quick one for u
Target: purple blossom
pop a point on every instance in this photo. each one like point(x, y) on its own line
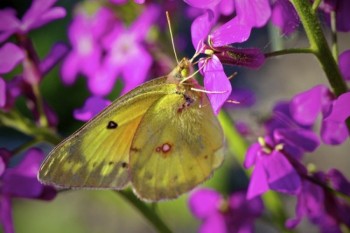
point(344, 64)
point(93, 105)
point(20, 182)
point(126, 54)
point(40, 13)
point(307, 105)
point(341, 9)
point(10, 56)
point(320, 206)
point(276, 156)
point(2, 93)
point(215, 79)
point(284, 16)
point(221, 215)
point(85, 34)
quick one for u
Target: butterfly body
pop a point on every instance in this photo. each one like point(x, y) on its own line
point(162, 137)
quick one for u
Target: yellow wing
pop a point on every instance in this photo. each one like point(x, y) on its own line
point(177, 146)
point(97, 155)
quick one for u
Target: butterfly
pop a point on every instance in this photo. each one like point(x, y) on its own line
point(162, 138)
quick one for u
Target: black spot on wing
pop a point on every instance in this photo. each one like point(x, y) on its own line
point(112, 125)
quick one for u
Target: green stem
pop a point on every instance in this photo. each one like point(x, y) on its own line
point(15, 120)
point(289, 51)
point(315, 5)
point(146, 210)
point(238, 147)
point(40, 105)
point(335, 49)
point(318, 44)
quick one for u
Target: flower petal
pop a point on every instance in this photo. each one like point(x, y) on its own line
point(250, 157)
point(258, 181)
point(284, 16)
point(215, 80)
point(234, 31)
point(57, 52)
point(10, 56)
point(143, 23)
point(8, 23)
point(306, 106)
point(339, 181)
point(2, 93)
point(204, 202)
point(214, 223)
point(254, 13)
point(200, 29)
point(93, 105)
point(203, 4)
point(344, 64)
point(281, 175)
point(304, 139)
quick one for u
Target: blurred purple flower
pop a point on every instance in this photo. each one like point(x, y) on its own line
point(306, 106)
point(93, 105)
point(342, 9)
point(320, 205)
point(10, 56)
point(85, 34)
point(221, 215)
point(126, 55)
point(344, 64)
point(284, 16)
point(20, 182)
point(2, 93)
point(40, 13)
point(119, 2)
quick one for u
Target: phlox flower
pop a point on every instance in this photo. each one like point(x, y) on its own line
point(10, 56)
point(93, 105)
point(344, 64)
point(341, 9)
point(40, 13)
point(307, 105)
point(320, 205)
point(225, 215)
point(284, 16)
point(218, 52)
point(276, 156)
point(126, 55)
point(20, 182)
point(85, 34)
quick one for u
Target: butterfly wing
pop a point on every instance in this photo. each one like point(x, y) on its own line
point(177, 146)
point(97, 155)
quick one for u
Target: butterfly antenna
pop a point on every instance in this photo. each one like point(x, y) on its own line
point(171, 35)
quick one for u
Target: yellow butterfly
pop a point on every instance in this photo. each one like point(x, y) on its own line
point(162, 138)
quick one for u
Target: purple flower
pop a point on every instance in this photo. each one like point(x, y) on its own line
point(221, 215)
point(320, 205)
point(254, 13)
point(85, 34)
point(40, 13)
point(215, 79)
point(344, 64)
point(93, 105)
point(307, 105)
point(284, 16)
point(272, 170)
point(10, 56)
point(334, 130)
point(341, 8)
point(126, 55)
point(20, 182)
point(2, 93)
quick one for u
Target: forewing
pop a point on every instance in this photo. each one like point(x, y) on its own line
point(97, 155)
point(175, 148)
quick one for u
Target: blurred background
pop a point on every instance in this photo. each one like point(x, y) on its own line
point(93, 211)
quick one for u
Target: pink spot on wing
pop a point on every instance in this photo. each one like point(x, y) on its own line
point(164, 149)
